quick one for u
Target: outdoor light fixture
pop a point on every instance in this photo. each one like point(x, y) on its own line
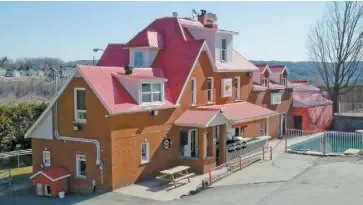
point(249, 74)
point(154, 112)
point(77, 127)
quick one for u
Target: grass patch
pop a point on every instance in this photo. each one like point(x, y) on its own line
point(18, 171)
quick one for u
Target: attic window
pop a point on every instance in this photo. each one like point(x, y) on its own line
point(265, 82)
point(152, 93)
point(283, 81)
point(224, 50)
point(139, 59)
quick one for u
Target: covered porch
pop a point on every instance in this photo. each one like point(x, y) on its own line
point(212, 135)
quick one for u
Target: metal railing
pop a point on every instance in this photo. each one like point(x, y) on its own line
point(15, 159)
point(322, 142)
point(238, 163)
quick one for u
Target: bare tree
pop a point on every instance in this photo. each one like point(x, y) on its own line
point(336, 48)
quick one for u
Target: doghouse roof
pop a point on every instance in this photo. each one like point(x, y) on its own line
point(52, 173)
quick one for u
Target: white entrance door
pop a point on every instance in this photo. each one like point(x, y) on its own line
point(191, 149)
point(39, 189)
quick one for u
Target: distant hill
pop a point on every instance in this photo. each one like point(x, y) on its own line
point(301, 70)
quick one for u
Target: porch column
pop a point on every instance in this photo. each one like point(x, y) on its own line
point(222, 144)
point(202, 143)
point(267, 131)
point(211, 145)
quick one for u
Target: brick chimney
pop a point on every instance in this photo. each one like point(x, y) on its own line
point(208, 19)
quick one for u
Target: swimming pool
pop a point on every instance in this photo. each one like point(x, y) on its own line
point(336, 142)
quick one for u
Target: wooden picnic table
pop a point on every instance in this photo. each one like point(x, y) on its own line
point(175, 174)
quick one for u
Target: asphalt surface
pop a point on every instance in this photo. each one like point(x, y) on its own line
point(289, 179)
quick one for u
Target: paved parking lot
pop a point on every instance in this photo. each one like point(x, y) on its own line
point(288, 179)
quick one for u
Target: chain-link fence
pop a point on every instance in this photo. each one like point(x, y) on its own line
point(15, 159)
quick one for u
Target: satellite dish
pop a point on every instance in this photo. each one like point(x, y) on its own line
point(195, 14)
point(175, 14)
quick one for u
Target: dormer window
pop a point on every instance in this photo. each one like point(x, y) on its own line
point(139, 59)
point(224, 50)
point(265, 82)
point(152, 93)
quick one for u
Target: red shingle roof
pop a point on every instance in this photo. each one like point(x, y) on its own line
point(52, 173)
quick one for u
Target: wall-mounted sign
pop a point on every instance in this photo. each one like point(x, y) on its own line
point(166, 143)
point(227, 87)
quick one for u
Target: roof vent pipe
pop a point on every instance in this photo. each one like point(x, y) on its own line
point(128, 69)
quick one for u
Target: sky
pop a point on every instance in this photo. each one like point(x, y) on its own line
point(70, 30)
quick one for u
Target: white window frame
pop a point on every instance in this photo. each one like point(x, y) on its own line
point(238, 88)
point(223, 50)
point(210, 94)
point(194, 90)
point(76, 111)
point(46, 164)
point(275, 98)
point(151, 92)
point(145, 145)
point(284, 81)
point(262, 128)
point(265, 82)
point(78, 168)
point(135, 59)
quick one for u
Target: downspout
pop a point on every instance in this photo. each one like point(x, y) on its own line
point(74, 139)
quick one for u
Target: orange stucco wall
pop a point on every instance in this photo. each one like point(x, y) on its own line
point(121, 136)
point(315, 117)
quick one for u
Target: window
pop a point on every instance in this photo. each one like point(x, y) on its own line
point(210, 89)
point(151, 93)
point(145, 153)
point(265, 82)
point(194, 91)
point(224, 50)
point(81, 166)
point(283, 81)
point(262, 129)
point(46, 158)
point(80, 105)
point(275, 98)
point(237, 85)
point(139, 59)
point(189, 143)
point(237, 131)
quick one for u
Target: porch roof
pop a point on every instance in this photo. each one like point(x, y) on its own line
point(201, 118)
point(211, 115)
point(242, 111)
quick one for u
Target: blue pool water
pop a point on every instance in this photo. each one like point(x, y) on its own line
point(336, 142)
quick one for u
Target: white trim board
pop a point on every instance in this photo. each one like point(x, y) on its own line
point(50, 178)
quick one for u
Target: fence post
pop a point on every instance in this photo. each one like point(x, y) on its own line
point(210, 177)
point(286, 136)
point(240, 162)
point(263, 152)
point(270, 153)
point(324, 143)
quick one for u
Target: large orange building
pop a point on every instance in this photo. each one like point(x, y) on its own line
point(162, 99)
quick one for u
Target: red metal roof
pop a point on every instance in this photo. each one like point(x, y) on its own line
point(147, 39)
point(277, 68)
point(112, 94)
point(261, 67)
point(114, 55)
point(242, 111)
point(196, 118)
point(52, 173)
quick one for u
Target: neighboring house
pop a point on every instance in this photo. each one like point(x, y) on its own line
point(114, 125)
point(12, 73)
point(270, 90)
point(31, 72)
point(311, 109)
point(2, 72)
point(40, 73)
